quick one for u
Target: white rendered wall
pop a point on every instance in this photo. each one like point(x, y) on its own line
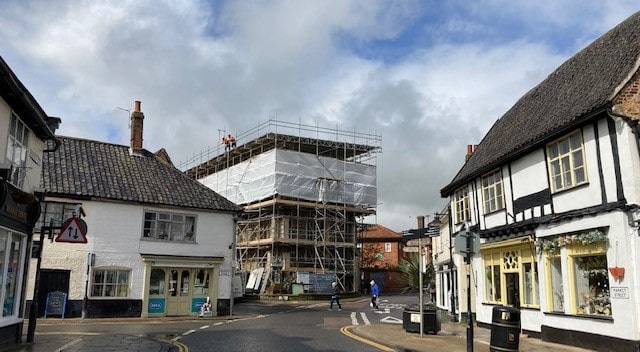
point(115, 236)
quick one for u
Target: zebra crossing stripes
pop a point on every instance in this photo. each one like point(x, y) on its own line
point(363, 316)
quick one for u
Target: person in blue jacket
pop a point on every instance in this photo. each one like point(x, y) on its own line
point(375, 292)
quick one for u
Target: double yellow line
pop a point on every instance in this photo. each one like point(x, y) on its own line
point(345, 331)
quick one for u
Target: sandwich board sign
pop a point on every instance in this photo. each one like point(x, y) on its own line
point(74, 230)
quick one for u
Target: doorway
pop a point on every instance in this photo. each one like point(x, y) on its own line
point(51, 280)
point(513, 289)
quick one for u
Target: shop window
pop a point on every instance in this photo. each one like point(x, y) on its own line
point(157, 282)
point(11, 263)
point(461, 203)
point(110, 283)
point(184, 291)
point(566, 164)
point(169, 226)
point(591, 281)
point(493, 291)
point(530, 284)
point(492, 192)
point(201, 283)
point(556, 284)
point(510, 275)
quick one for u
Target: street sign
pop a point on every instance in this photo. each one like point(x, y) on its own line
point(460, 242)
point(74, 230)
point(410, 249)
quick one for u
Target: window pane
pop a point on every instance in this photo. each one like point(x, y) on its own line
point(563, 146)
point(184, 286)
point(528, 284)
point(12, 279)
point(592, 285)
point(579, 174)
point(556, 285)
point(496, 283)
point(577, 158)
point(576, 141)
point(157, 282)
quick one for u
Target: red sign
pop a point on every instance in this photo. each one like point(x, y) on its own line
point(74, 230)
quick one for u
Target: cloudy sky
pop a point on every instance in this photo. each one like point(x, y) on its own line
point(428, 76)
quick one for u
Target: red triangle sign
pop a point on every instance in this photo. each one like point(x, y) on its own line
point(72, 232)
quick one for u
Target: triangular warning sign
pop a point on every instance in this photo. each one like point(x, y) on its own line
point(72, 231)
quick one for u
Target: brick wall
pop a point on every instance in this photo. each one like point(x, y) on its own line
point(627, 102)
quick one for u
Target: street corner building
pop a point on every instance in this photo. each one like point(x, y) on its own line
point(25, 130)
point(553, 192)
point(158, 243)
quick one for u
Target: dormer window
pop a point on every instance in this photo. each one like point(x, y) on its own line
point(567, 167)
point(492, 192)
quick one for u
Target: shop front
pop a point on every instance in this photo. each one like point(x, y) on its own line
point(175, 288)
point(18, 212)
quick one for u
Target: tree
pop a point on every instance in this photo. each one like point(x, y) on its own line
point(411, 269)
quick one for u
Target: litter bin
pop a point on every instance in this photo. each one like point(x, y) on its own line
point(505, 329)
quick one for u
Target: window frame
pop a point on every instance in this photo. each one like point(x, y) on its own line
point(17, 150)
point(493, 257)
point(387, 247)
point(461, 205)
point(569, 171)
point(492, 191)
point(48, 212)
point(115, 285)
point(169, 226)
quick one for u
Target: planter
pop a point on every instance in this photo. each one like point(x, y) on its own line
point(430, 321)
point(617, 272)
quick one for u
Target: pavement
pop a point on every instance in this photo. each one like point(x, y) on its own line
point(386, 337)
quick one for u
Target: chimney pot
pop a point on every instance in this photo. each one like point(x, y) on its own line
point(136, 105)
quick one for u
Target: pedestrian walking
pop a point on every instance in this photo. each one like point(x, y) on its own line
point(335, 296)
point(375, 292)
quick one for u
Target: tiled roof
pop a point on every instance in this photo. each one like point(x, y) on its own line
point(581, 86)
point(83, 169)
point(379, 231)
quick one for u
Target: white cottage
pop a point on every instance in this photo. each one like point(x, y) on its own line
point(158, 243)
point(554, 193)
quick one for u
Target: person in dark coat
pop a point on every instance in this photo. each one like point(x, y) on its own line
point(335, 296)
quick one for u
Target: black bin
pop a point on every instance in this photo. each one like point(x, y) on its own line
point(505, 329)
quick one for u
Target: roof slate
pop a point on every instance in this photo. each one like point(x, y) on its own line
point(82, 168)
point(584, 84)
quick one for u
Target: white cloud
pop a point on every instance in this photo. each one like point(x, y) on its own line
point(201, 68)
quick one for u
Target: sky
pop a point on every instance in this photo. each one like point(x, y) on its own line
point(429, 77)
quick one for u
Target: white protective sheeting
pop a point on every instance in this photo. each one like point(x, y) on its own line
point(298, 175)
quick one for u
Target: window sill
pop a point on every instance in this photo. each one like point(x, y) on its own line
point(151, 239)
point(493, 212)
point(564, 190)
point(581, 316)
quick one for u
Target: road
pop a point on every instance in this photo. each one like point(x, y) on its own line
point(260, 326)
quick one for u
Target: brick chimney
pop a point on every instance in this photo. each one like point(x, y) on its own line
point(136, 129)
point(470, 149)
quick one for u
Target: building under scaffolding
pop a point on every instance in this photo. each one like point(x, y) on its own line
point(303, 189)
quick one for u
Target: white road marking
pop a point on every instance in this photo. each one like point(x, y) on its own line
point(204, 327)
point(364, 318)
point(354, 319)
point(188, 332)
point(218, 323)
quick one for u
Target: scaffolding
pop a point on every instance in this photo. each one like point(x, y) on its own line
point(302, 188)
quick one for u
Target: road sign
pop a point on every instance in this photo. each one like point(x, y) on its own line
point(460, 242)
point(410, 249)
point(74, 230)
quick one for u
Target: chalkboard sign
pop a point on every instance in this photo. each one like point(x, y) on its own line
point(56, 303)
point(321, 283)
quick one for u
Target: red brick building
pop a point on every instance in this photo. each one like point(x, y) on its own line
point(380, 253)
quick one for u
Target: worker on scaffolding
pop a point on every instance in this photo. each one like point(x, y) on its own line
point(225, 141)
point(231, 140)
